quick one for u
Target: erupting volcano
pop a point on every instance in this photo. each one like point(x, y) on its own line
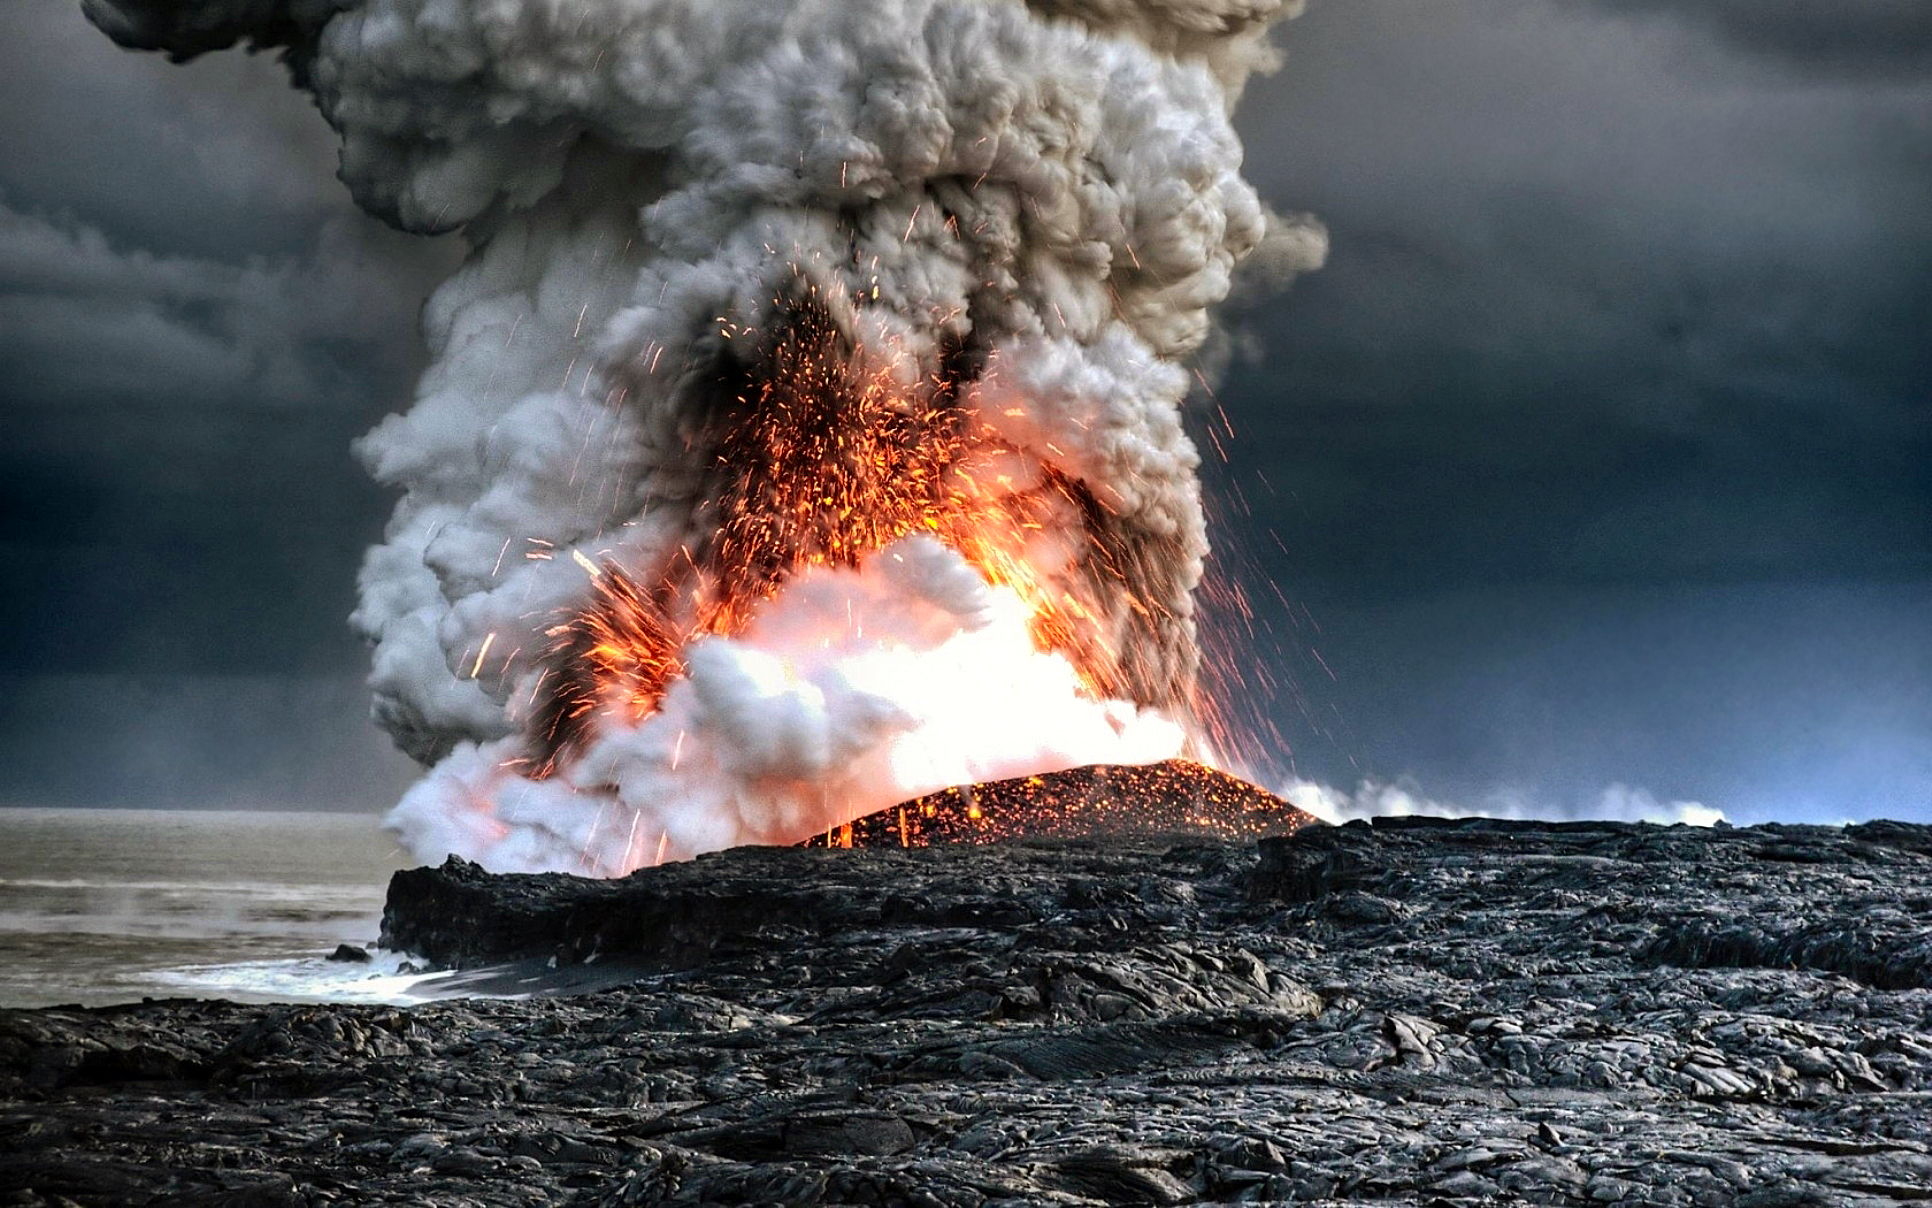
point(804, 431)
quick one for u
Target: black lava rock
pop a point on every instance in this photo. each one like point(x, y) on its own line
point(1413, 1012)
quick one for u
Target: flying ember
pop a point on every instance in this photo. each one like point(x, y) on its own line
point(819, 459)
point(803, 433)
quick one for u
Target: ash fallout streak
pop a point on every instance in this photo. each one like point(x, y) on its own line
point(803, 432)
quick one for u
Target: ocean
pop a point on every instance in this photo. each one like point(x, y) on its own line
point(109, 906)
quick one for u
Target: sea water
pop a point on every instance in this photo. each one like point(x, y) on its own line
point(114, 905)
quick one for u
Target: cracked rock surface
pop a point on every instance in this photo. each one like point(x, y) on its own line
point(1412, 1012)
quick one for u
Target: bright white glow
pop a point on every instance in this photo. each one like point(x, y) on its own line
point(850, 692)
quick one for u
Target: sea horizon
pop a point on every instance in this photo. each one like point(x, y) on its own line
point(110, 904)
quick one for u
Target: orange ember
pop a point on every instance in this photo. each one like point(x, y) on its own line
point(818, 454)
point(616, 654)
point(1174, 797)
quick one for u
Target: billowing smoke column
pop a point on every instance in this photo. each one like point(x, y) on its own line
point(804, 431)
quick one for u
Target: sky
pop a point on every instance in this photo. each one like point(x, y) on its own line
point(1599, 453)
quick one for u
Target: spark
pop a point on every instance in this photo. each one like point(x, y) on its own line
point(476, 669)
point(822, 457)
point(1324, 662)
point(819, 450)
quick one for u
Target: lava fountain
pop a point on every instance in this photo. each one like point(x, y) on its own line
point(803, 433)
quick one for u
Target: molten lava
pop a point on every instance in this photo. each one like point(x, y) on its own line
point(1174, 797)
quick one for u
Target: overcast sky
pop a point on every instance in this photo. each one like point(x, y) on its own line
point(1600, 452)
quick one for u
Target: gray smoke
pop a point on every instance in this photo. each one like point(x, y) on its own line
point(1043, 200)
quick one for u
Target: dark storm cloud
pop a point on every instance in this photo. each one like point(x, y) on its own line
point(89, 320)
point(197, 324)
point(1854, 38)
point(182, 425)
point(1589, 314)
point(208, 741)
point(218, 158)
point(1598, 451)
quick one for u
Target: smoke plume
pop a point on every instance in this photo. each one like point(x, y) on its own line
point(803, 431)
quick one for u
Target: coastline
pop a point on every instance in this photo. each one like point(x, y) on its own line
point(109, 905)
point(1414, 1011)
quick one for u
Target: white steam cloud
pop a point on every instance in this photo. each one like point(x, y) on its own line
point(1044, 196)
point(838, 701)
point(1381, 799)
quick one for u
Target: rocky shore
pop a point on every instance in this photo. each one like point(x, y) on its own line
point(1414, 1012)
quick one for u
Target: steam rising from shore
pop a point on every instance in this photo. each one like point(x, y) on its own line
point(1026, 208)
point(1382, 799)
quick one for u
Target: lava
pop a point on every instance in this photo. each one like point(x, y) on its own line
point(1176, 796)
point(821, 456)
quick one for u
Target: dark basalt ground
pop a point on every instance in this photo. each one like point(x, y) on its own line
point(1416, 1012)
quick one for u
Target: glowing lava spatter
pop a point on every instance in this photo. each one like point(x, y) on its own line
point(1176, 797)
point(818, 458)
